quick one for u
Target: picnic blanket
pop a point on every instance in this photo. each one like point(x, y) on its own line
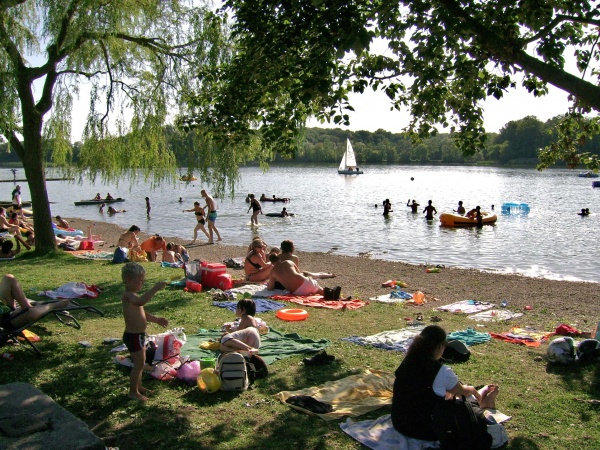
point(530, 338)
point(274, 345)
point(318, 302)
point(469, 337)
point(93, 254)
point(396, 340)
point(73, 290)
point(466, 306)
point(494, 315)
point(350, 396)
point(380, 434)
point(396, 296)
point(262, 305)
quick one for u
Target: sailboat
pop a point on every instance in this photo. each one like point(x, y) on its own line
point(348, 163)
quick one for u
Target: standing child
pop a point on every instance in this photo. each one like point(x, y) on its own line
point(246, 337)
point(136, 320)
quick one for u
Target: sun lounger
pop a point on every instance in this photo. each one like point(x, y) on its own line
point(63, 315)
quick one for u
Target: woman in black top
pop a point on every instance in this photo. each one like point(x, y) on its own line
point(199, 213)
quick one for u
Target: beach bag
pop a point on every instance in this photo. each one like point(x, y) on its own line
point(459, 427)
point(456, 351)
point(561, 351)
point(233, 372)
point(192, 270)
point(167, 345)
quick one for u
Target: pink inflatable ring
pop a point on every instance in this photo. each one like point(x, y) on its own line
point(292, 314)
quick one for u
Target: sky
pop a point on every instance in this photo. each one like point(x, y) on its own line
point(372, 111)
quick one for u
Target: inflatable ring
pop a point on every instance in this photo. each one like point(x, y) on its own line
point(292, 314)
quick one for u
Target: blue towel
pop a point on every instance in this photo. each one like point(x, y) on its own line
point(262, 305)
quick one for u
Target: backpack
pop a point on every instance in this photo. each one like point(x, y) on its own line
point(239, 372)
point(233, 372)
point(459, 427)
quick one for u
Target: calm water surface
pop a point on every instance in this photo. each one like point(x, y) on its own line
point(336, 213)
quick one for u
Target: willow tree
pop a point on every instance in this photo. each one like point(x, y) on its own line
point(443, 58)
point(139, 58)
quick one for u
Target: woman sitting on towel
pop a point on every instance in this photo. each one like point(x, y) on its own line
point(422, 382)
point(256, 266)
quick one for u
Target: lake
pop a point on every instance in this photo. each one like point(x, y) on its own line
point(336, 213)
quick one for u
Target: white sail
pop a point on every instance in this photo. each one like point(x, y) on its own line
point(348, 160)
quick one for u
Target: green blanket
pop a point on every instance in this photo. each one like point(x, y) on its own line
point(274, 345)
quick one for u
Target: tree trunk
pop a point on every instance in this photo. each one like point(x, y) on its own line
point(31, 155)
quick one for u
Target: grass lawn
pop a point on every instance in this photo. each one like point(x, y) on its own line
point(548, 404)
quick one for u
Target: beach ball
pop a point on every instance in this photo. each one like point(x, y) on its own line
point(209, 381)
point(561, 350)
point(189, 372)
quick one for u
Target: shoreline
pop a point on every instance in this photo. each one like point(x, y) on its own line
point(552, 301)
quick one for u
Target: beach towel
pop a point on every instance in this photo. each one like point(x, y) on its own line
point(530, 338)
point(73, 290)
point(317, 301)
point(274, 345)
point(396, 296)
point(350, 396)
point(256, 290)
point(396, 340)
point(494, 315)
point(469, 337)
point(380, 434)
point(173, 265)
point(262, 305)
point(93, 254)
point(466, 306)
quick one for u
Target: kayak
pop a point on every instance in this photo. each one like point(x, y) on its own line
point(456, 220)
point(98, 202)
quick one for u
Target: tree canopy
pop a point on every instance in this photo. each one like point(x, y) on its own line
point(139, 60)
point(297, 59)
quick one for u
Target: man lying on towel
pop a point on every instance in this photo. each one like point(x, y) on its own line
point(286, 274)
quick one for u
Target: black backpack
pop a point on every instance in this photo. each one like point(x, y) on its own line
point(460, 427)
point(256, 368)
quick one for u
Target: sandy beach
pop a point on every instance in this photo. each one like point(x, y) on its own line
point(552, 302)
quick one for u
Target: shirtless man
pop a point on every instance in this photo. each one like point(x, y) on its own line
point(430, 210)
point(288, 275)
point(461, 209)
point(413, 206)
point(61, 222)
point(287, 254)
point(212, 216)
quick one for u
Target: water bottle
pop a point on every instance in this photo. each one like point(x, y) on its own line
point(504, 304)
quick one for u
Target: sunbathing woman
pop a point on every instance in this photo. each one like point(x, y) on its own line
point(12, 295)
point(256, 266)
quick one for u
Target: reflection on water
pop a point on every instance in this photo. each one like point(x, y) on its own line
point(336, 213)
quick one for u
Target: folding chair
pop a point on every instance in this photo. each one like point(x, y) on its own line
point(63, 315)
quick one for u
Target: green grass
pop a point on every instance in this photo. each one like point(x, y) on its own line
point(546, 402)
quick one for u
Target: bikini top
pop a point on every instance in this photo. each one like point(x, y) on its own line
point(199, 213)
point(255, 265)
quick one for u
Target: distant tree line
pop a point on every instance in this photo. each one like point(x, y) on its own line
point(517, 143)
